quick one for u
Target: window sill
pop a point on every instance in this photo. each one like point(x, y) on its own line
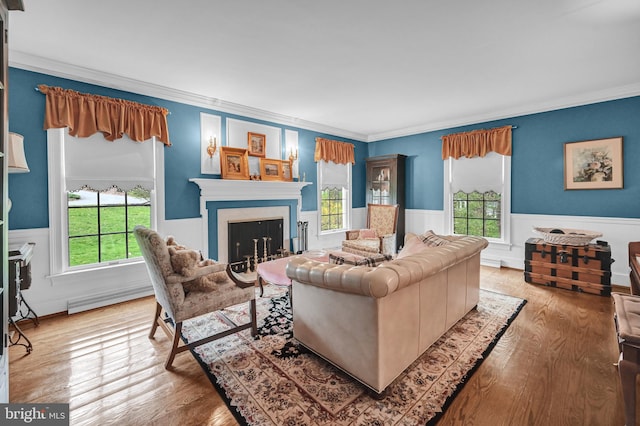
point(499, 244)
point(331, 233)
point(82, 276)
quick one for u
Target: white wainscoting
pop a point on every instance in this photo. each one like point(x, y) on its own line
point(112, 285)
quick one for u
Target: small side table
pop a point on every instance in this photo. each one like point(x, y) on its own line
point(20, 279)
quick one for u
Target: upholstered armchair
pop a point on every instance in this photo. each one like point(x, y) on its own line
point(181, 303)
point(380, 234)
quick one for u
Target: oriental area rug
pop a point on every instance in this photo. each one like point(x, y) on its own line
point(272, 380)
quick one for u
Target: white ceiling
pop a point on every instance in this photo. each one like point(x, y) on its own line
point(366, 69)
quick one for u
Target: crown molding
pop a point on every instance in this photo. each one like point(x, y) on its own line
point(556, 104)
point(42, 65)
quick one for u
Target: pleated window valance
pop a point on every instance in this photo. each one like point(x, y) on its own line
point(338, 152)
point(477, 143)
point(86, 114)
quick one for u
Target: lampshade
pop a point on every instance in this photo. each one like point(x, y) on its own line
point(17, 160)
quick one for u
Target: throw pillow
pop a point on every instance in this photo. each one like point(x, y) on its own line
point(376, 260)
point(412, 246)
point(343, 259)
point(352, 260)
point(431, 239)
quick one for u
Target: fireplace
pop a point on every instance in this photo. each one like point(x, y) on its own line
point(228, 200)
point(252, 242)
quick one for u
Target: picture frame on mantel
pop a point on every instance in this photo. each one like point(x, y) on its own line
point(257, 144)
point(234, 163)
point(270, 169)
point(593, 164)
point(287, 170)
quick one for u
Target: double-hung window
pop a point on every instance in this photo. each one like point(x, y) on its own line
point(100, 190)
point(334, 196)
point(477, 196)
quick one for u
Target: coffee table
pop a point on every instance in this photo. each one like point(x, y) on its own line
point(275, 271)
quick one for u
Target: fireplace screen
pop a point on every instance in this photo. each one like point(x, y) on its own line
point(254, 242)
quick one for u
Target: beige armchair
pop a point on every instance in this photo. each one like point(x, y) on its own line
point(180, 305)
point(380, 234)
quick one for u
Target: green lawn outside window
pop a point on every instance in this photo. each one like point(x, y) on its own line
point(105, 233)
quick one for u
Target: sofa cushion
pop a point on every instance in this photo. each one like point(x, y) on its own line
point(431, 239)
point(359, 261)
point(412, 246)
point(367, 244)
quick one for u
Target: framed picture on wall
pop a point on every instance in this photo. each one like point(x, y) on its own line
point(257, 144)
point(234, 163)
point(593, 164)
point(270, 169)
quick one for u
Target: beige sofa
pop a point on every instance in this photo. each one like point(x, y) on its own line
point(374, 322)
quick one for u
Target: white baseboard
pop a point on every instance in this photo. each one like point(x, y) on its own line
point(85, 303)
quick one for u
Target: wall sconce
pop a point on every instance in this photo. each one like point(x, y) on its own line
point(291, 148)
point(16, 161)
point(293, 157)
point(213, 147)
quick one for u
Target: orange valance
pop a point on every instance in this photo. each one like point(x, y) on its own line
point(338, 152)
point(477, 143)
point(86, 114)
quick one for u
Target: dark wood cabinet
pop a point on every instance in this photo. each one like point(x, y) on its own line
point(385, 185)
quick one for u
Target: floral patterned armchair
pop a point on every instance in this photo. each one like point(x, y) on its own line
point(380, 234)
point(180, 304)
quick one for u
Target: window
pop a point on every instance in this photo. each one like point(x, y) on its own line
point(477, 214)
point(477, 196)
point(99, 191)
point(334, 200)
point(101, 224)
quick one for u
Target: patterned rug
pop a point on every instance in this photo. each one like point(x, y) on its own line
point(272, 380)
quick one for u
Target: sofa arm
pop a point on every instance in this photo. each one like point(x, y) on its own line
point(362, 280)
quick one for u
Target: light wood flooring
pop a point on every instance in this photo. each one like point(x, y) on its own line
point(553, 366)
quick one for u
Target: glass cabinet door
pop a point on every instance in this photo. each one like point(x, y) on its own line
point(379, 185)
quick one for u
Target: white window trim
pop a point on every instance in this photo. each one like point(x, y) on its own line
point(58, 226)
point(505, 204)
point(348, 203)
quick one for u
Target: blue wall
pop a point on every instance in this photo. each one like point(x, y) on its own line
point(537, 165)
point(28, 191)
point(537, 162)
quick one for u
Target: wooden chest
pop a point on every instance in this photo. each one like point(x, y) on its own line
point(578, 268)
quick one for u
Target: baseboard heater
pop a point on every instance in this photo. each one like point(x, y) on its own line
point(99, 300)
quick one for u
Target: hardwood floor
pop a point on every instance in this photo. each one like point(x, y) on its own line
point(553, 366)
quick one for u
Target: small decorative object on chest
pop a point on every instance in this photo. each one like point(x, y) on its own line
point(583, 268)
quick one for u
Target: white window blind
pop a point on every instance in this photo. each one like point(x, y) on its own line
point(335, 175)
point(99, 164)
point(480, 174)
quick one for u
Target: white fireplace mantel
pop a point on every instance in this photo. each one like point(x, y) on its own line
point(234, 190)
point(243, 190)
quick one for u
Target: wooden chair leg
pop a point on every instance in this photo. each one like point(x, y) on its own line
point(154, 326)
point(254, 321)
point(628, 371)
point(174, 346)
